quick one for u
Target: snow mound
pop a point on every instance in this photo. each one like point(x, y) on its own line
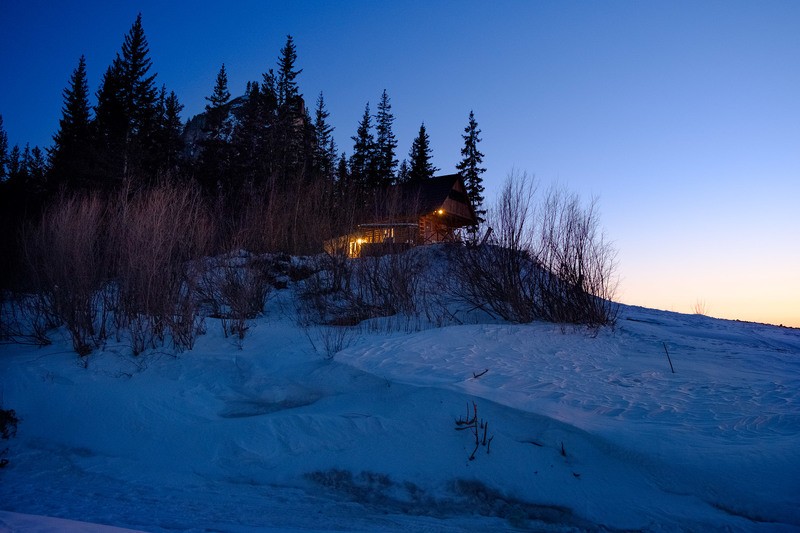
point(588, 431)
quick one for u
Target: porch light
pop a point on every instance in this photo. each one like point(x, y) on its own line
point(440, 212)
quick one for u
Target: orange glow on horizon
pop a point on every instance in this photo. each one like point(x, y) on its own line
point(778, 312)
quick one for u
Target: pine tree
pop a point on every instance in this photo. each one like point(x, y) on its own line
point(139, 90)
point(216, 128)
point(140, 100)
point(268, 120)
point(287, 90)
point(362, 162)
point(290, 135)
point(3, 151)
point(470, 167)
point(403, 172)
point(420, 156)
point(172, 144)
point(324, 146)
point(342, 188)
point(36, 171)
point(127, 113)
point(110, 129)
point(28, 172)
point(14, 169)
point(215, 158)
point(70, 156)
point(385, 142)
point(251, 135)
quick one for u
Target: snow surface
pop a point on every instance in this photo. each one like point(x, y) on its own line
point(590, 432)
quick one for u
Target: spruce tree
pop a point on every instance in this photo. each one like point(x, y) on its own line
point(362, 162)
point(287, 90)
point(342, 186)
point(402, 172)
point(14, 169)
point(28, 172)
point(324, 146)
point(470, 167)
point(385, 142)
point(216, 112)
point(216, 147)
point(246, 136)
point(172, 144)
point(110, 130)
point(268, 120)
point(3, 151)
point(70, 156)
point(140, 100)
point(127, 113)
point(252, 134)
point(290, 142)
point(36, 171)
point(420, 155)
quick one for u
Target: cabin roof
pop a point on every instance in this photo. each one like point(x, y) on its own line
point(430, 194)
point(410, 200)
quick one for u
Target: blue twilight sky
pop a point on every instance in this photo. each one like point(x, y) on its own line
point(682, 117)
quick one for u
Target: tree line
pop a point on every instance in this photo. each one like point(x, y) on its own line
point(263, 150)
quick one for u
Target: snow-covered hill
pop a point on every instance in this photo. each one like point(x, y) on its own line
point(587, 431)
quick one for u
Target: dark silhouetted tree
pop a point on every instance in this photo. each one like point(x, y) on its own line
point(470, 167)
point(3, 151)
point(420, 156)
point(216, 126)
point(362, 162)
point(403, 171)
point(324, 146)
point(36, 169)
point(14, 164)
point(127, 114)
point(110, 130)
point(385, 142)
point(342, 189)
point(71, 156)
point(249, 136)
point(291, 143)
point(215, 156)
point(140, 100)
point(172, 144)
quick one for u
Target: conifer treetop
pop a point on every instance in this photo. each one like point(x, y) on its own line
point(420, 155)
point(470, 167)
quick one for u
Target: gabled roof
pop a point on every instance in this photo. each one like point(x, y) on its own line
point(427, 196)
point(430, 194)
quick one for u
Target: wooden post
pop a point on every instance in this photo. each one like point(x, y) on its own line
point(668, 358)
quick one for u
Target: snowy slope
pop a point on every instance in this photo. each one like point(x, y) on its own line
point(590, 432)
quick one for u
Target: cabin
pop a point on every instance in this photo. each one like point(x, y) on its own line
point(408, 215)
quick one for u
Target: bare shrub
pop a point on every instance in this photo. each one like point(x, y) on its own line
point(390, 284)
point(478, 428)
point(295, 218)
point(324, 296)
point(335, 339)
point(345, 291)
point(27, 319)
point(498, 272)
point(8, 429)
point(155, 234)
point(67, 265)
point(577, 281)
point(700, 307)
point(545, 260)
point(236, 287)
